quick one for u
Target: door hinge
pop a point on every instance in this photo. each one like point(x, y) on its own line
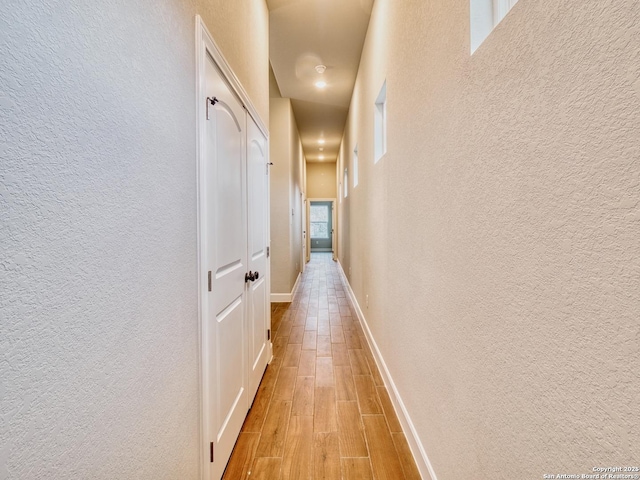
point(270, 163)
point(211, 451)
point(268, 334)
point(211, 101)
point(268, 252)
point(209, 279)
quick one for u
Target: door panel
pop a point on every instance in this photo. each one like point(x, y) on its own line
point(259, 351)
point(258, 347)
point(229, 216)
point(225, 255)
point(230, 361)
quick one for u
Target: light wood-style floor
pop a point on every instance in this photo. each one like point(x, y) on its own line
point(322, 411)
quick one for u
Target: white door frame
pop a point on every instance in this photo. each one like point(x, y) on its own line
point(304, 233)
point(205, 45)
point(334, 213)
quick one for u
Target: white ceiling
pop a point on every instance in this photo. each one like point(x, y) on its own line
point(306, 33)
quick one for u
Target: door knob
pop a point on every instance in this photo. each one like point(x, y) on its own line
point(251, 276)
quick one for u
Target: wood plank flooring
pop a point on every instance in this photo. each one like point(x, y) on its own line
point(322, 411)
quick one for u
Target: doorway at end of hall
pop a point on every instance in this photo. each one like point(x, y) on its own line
point(321, 226)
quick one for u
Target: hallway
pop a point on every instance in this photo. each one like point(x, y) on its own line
point(158, 162)
point(322, 410)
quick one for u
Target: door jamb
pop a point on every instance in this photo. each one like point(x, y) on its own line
point(305, 232)
point(205, 45)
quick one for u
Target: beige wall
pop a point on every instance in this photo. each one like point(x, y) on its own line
point(280, 155)
point(497, 240)
point(241, 30)
point(99, 376)
point(321, 180)
point(287, 185)
point(296, 193)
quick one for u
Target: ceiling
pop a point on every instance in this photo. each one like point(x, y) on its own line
point(307, 33)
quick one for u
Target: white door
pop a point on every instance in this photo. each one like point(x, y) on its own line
point(225, 257)
point(258, 317)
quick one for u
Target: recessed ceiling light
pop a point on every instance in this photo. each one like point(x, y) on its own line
point(321, 141)
point(321, 157)
point(321, 84)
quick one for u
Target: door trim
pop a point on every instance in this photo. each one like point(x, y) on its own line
point(205, 45)
point(334, 224)
point(303, 234)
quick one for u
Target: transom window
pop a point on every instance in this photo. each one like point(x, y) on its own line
point(380, 124)
point(485, 15)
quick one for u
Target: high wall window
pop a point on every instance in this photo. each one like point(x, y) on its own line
point(355, 167)
point(485, 15)
point(380, 124)
point(345, 182)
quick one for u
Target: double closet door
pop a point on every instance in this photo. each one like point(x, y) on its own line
point(236, 304)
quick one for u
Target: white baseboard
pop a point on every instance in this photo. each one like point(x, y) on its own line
point(419, 454)
point(286, 297)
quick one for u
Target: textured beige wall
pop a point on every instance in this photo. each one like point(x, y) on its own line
point(279, 178)
point(286, 177)
point(321, 180)
point(99, 337)
point(498, 238)
point(241, 30)
point(296, 192)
